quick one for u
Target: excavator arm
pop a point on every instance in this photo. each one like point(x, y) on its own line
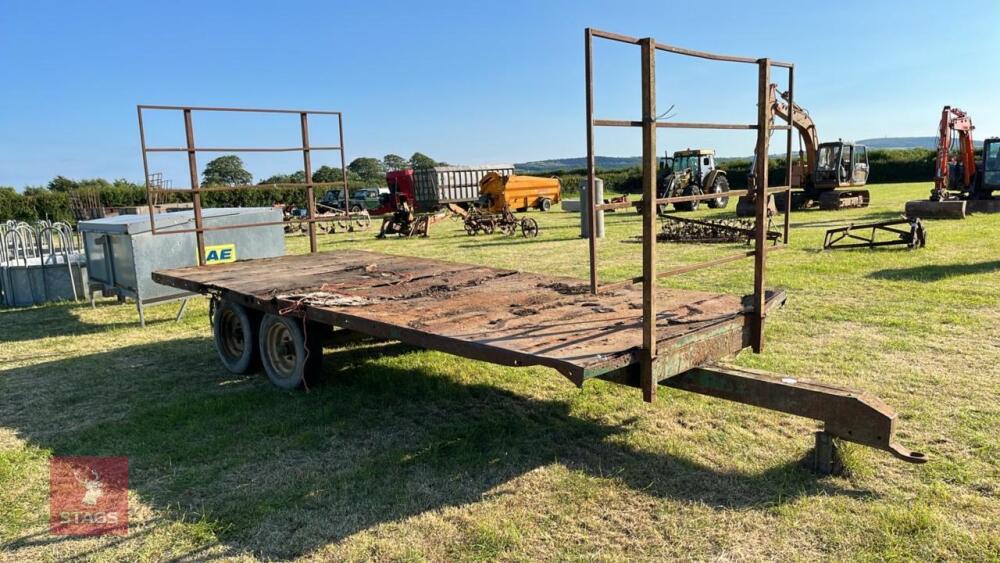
point(954, 120)
point(809, 138)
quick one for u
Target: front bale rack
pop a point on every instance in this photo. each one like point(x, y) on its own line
point(629, 332)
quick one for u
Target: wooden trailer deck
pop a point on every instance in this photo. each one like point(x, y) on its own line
point(501, 316)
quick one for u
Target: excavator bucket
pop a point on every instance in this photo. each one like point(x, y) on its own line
point(945, 209)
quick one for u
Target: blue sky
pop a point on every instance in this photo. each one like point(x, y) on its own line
point(465, 82)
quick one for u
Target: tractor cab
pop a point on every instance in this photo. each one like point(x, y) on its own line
point(841, 164)
point(990, 177)
point(699, 161)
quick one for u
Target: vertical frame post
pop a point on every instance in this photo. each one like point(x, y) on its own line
point(760, 227)
point(310, 193)
point(788, 152)
point(145, 170)
point(647, 378)
point(591, 164)
point(195, 186)
point(343, 162)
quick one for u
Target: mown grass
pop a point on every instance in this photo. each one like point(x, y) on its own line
point(403, 454)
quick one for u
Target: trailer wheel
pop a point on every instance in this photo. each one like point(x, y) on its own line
point(545, 204)
point(529, 227)
point(291, 358)
point(235, 334)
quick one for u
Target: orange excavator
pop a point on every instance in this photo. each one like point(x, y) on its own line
point(960, 183)
point(828, 175)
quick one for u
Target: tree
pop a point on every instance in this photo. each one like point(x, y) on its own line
point(93, 183)
point(62, 184)
point(421, 160)
point(367, 168)
point(277, 179)
point(327, 174)
point(34, 190)
point(395, 162)
point(226, 170)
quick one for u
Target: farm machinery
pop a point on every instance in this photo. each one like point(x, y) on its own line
point(693, 172)
point(486, 222)
point(960, 183)
point(498, 191)
point(828, 175)
point(333, 219)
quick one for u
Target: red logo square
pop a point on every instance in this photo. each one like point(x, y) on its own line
point(88, 496)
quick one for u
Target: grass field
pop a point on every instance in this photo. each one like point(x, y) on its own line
point(403, 454)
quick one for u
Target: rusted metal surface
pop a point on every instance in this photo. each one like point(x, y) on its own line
point(501, 316)
point(764, 115)
point(682, 229)
point(153, 189)
point(649, 124)
point(847, 414)
point(866, 235)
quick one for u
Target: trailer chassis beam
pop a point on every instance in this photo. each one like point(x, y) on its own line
point(848, 415)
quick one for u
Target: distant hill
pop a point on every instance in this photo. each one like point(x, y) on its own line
point(905, 143)
point(603, 162)
point(619, 162)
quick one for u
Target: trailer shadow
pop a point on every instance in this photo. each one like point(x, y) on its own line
point(59, 319)
point(282, 474)
point(935, 272)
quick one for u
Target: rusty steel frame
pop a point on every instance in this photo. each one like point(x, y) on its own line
point(866, 234)
point(153, 187)
point(846, 414)
point(649, 124)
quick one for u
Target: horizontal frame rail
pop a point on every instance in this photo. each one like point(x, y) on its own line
point(241, 149)
point(693, 267)
point(682, 51)
point(239, 110)
point(683, 198)
point(283, 185)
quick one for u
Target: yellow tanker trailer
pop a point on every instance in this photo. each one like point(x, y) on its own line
point(519, 193)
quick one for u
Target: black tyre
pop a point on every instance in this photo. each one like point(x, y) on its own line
point(234, 329)
point(291, 358)
point(355, 209)
point(720, 186)
point(545, 204)
point(691, 189)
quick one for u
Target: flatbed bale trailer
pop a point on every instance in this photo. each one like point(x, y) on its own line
point(274, 310)
point(278, 310)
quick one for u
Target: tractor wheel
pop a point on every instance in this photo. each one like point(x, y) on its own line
point(720, 186)
point(691, 189)
point(234, 329)
point(545, 204)
point(291, 357)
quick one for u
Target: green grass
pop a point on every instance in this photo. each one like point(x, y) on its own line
point(403, 454)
